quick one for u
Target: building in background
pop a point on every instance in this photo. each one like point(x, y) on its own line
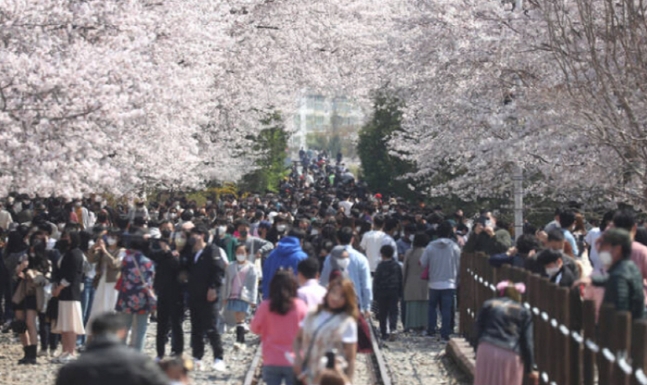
point(323, 123)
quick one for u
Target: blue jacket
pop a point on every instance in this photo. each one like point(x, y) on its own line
point(359, 272)
point(287, 255)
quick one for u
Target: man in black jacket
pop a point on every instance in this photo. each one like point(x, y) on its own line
point(169, 290)
point(206, 273)
point(107, 361)
point(556, 268)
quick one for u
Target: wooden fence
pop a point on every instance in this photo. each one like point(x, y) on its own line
point(570, 349)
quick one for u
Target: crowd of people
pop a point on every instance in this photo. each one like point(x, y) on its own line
point(304, 269)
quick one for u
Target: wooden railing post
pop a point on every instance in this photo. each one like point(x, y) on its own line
point(590, 356)
point(639, 348)
point(576, 328)
point(621, 345)
point(605, 358)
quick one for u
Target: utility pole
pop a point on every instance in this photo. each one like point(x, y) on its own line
point(517, 178)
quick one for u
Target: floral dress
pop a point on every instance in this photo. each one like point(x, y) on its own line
point(135, 293)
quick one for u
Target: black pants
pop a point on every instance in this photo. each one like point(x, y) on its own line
point(47, 338)
point(387, 309)
point(6, 293)
point(170, 314)
point(204, 316)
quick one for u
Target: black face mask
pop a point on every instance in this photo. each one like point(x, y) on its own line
point(190, 241)
point(166, 234)
point(243, 234)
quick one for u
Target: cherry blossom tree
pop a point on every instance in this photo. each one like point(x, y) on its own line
point(484, 96)
point(120, 95)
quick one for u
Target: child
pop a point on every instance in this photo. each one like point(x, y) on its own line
point(241, 289)
point(387, 286)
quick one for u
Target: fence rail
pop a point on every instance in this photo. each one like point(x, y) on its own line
point(570, 348)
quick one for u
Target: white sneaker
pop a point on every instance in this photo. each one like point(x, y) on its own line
point(197, 365)
point(66, 359)
point(43, 353)
point(239, 346)
point(219, 365)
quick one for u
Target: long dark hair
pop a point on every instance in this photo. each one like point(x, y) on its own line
point(283, 290)
point(15, 242)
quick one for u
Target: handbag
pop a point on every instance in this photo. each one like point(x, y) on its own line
point(19, 326)
point(20, 293)
point(96, 280)
point(306, 357)
point(364, 342)
point(425, 274)
point(151, 297)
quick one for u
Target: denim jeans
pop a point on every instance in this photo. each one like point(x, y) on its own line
point(445, 300)
point(138, 330)
point(87, 298)
point(275, 375)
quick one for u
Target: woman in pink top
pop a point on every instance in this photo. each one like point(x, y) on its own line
point(277, 321)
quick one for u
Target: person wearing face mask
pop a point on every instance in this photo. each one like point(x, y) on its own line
point(107, 361)
point(33, 273)
point(107, 256)
point(277, 230)
point(240, 290)
point(229, 242)
point(257, 248)
point(69, 322)
point(339, 262)
point(357, 269)
point(552, 262)
point(623, 284)
point(172, 214)
point(170, 256)
point(206, 273)
point(406, 241)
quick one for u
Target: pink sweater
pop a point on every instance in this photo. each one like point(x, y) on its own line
point(277, 331)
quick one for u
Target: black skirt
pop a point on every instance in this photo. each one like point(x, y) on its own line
point(28, 303)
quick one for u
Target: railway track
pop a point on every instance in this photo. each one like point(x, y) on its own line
point(375, 371)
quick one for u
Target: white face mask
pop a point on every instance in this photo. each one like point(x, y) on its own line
point(314, 232)
point(111, 241)
point(343, 263)
point(606, 258)
point(241, 257)
point(551, 271)
point(280, 228)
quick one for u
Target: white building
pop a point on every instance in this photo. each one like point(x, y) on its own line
point(319, 115)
